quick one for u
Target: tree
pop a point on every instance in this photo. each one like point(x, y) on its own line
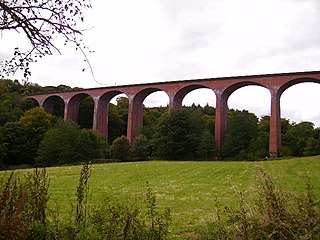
point(116, 125)
point(41, 22)
point(206, 147)
point(85, 118)
point(297, 136)
point(141, 147)
point(178, 134)
point(36, 122)
point(67, 143)
point(120, 148)
point(15, 145)
point(242, 129)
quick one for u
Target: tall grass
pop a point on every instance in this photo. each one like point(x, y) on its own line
point(277, 214)
point(24, 213)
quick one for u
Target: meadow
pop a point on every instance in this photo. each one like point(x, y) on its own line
point(188, 188)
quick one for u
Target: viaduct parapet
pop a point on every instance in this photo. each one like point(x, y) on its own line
point(176, 90)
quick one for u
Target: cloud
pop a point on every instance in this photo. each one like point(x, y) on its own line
point(162, 40)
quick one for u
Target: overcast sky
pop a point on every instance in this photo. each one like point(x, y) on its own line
point(140, 41)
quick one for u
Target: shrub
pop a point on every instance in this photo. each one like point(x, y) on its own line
point(141, 147)
point(67, 143)
point(23, 206)
point(120, 148)
point(277, 215)
point(119, 220)
point(23, 213)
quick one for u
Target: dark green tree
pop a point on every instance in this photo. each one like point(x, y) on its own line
point(178, 135)
point(141, 147)
point(297, 136)
point(85, 118)
point(15, 145)
point(242, 129)
point(116, 124)
point(120, 149)
point(206, 149)
point(67, 143)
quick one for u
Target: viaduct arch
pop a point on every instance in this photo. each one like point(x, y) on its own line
point(176, 90)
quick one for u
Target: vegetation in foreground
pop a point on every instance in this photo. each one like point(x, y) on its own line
point(24, 213)
point(276, 215)
point(188, 189)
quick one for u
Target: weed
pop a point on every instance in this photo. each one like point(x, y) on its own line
point(277, 215)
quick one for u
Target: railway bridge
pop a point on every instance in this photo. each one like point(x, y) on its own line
point(222, 87)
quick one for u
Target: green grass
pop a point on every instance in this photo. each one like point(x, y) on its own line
point(187, 188)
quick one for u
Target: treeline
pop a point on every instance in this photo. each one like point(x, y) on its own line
point(29, 135)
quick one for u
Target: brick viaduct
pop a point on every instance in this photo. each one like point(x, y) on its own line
point(176, 91)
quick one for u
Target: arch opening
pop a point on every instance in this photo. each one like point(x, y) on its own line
point(248, 120)
point(80, 109)
point(117, 116)
point(300, 119)
point(85, 115)
point(54, 105)
point(299, 103)
point(29, 103)
point(154, 105)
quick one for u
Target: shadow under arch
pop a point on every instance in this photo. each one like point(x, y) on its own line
point(135, 115)
point(29, 102)
point(72, 110)
point(54, 105)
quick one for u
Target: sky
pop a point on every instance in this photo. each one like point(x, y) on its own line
point(144, 41)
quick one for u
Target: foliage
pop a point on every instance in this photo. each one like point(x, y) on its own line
point(297, 137)
point(14, 144)
point(23, 205)
point(117, 121)
point(41, 22)
point(277, 215)
point(242, 128)
point(24, 213)
point(67, 143)
point(141, 147)
point(85, 117)
point(177, 135)
point(118, 220)
point(206, 148)
point(120, 149)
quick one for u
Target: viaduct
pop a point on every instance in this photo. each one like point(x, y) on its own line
point(176, 90)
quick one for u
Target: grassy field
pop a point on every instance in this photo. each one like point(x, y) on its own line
point(187, 188)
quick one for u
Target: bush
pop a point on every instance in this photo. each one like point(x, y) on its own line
point(67, 143)
point(277, 215)
point(141, 147)
point(23, 209)
point(24, 213)
point(120, 148)
point(119, 220)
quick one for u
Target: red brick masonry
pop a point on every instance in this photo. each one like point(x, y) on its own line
point(177, 90)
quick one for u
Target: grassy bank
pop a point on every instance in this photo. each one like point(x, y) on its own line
point(187, 188)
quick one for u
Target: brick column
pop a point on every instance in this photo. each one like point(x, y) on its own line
point(135, 117)
point(275, 123)
point(175, 101)
point(221, 117)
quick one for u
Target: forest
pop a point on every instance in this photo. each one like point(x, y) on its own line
point(30, 136)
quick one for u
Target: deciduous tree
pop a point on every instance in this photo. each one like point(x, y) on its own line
point(41, 22)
